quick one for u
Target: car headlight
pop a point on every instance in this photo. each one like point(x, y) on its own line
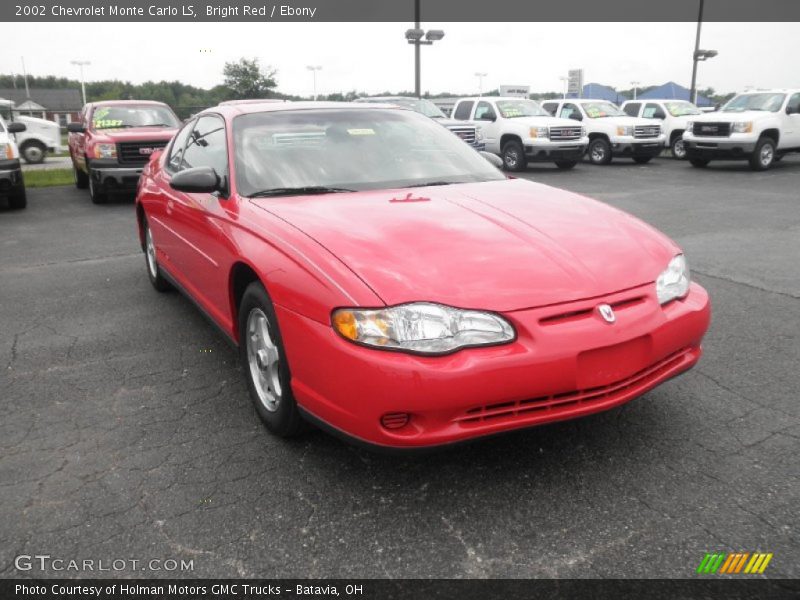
point(625, 130)
point(479, 134)
point(690, 127)
point(743, 127)
point(421, 328)
point(674, 280)
point(105, 151)
point(539, 132)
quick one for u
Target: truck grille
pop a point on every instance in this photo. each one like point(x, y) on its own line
point(646, 131)
point(565, 134)
point(712, 129)
point(137, 153)
point(465, 133)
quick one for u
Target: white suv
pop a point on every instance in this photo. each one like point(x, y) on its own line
point(757, 126)
point(520, 131)
point(11, 183)
point(673, 115)
point(612, 133)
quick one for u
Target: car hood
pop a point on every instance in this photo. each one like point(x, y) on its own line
point(136, 134)
point(501, 246)
point(544, 121)
point(624, 120)
point(454, 123)
point(733, 117)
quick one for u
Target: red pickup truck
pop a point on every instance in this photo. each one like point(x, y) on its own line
point(113, 140)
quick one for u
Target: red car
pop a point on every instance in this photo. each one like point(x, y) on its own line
point(112, 141)
point(384, 280)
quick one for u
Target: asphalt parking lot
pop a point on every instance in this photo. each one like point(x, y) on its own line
point(127, 432)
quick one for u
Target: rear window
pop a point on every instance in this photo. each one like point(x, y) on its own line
point(463, 110)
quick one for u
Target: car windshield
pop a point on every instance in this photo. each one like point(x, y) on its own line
point(116, 117)
point(420, 105)
point(598, 110)
point(324, 150)
point(512, 109)
point(766, 102)
point(681, 109)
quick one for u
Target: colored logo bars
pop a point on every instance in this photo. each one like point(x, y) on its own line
point(734, 563)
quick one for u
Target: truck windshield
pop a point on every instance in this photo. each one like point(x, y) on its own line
point(116, 117)
point(511, 109)
point(328, 150)
point(681, 109)
point(766, 102)
point(598, 110)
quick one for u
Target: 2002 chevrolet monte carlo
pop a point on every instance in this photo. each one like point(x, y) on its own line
point(385, 281)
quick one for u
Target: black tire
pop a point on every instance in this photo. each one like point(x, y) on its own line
point(80, 177)
point(514, 156)
point(763, 156)
point(700, 163)
point(599, 151)
point(33, 152)
point(283, 418)
point(157, 280)
point(18, 199)
point(97, 196)
point(566, 165)
point(678, 148)
point(642, 160)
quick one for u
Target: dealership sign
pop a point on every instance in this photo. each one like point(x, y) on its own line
point(575, 82)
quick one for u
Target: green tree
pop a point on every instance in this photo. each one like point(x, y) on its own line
point(246, 79)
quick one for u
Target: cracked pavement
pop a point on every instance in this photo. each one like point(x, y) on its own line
point(127, 432)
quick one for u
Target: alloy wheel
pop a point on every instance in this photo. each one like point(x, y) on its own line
point(263, 360)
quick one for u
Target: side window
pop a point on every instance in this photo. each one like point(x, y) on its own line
point(632, 109)
point(653, 111)
point(571, 111)
point(206, 146)
point(550, 107)
point(484, 112)
point(794, 103)
point(463, 110)
point(176, 149)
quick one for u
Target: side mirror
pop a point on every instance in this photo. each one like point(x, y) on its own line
point(197, 180)
point(493, 159)
point(793, 110)
point(75, 127)
point(16, 127)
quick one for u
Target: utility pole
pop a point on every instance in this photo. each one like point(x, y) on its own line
point(314, 70)
point(480, 77)
point(693, 90)
point(81, 64)
point(415, 37)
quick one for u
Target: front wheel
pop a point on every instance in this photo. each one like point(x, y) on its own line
point(764, 155)
point(514, 156)
point(599, 152)
point(678, 148)
point(264, 362)
point(566, 164)
point(153, 271)
point(33, 152)
point(97, 196)
point(700, 163)
point(80, 177)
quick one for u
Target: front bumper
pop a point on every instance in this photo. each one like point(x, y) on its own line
point(719, 148)
point(109, 176)
point(634, 148)
point(10, 175)
point(552, 151)
point(566, 362)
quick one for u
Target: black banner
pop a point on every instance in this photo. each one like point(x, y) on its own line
point(398, 10)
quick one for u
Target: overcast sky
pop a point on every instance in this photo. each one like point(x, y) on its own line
point(374, 57)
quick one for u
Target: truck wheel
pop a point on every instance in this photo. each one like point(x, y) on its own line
point(98, 197)
point(566, 164)
point(642, 160)
point(18, 199)
point(80, 177)
point(514, 156)
point(678, 148)
point(599, 152)
point(700, 163)
point(33, 152)
point(764, 155)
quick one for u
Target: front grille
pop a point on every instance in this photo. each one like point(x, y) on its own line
point(137, 153)
point(567, 400)
point(565, 134)
point(712, 129)
point(646, 131)
point(465, 133)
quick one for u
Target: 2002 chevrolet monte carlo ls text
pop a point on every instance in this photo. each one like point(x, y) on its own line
point(384, 280)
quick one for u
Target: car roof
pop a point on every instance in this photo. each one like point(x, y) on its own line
point(252, 101)
point(234, 110)
point(495, 98)
point(127, 103)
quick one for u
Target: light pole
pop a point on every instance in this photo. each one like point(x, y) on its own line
point(414, 36)
point(635, 85)
point(480, 77)
point(564, 91)
point(314, 69)
point(81, 64)
point(699, 55)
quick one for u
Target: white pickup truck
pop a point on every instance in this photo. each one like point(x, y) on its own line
point(40, 137)
point(612, 133)
point(520, 131)
point(759, 126)
point(673, 115)
point(12, 186)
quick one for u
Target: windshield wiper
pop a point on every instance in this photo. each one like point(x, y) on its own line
point(433, 183)
point(289, 191)
point(159, 125)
